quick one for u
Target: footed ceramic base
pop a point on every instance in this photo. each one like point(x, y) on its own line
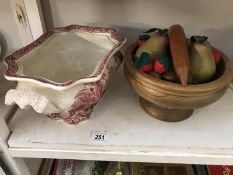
point(164, 114)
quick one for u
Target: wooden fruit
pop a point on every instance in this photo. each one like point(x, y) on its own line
point(179, 53)
point(169, 101)
point(162, 64)
point(144, 63)
point(203, 65)
point(217, 55)
point(142, 39)
point(155, 45)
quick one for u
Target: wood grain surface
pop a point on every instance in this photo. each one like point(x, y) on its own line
point(179, 52)
point(170, 95)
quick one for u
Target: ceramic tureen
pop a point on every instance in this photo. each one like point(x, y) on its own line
point(64, 72)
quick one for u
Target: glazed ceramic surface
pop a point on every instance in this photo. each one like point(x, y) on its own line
point(64, 72)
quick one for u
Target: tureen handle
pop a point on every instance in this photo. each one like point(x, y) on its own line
point(24, 99)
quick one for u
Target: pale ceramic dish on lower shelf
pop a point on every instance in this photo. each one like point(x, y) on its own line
point(65, 72)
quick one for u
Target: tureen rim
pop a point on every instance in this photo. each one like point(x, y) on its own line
point(11, 65)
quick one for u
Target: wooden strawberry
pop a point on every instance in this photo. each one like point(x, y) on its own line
point(147, 68)
point(162, 64)
point(217, 55)
point(146, 63)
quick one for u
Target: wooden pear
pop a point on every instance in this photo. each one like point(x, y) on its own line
point(157, 44)
point(203, 66)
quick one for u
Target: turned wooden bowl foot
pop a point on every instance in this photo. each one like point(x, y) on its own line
point(164, 114)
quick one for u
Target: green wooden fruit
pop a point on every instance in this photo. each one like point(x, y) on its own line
point(156, 44)
point(203, 65)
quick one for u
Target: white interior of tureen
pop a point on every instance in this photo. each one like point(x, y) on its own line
point(66, 56)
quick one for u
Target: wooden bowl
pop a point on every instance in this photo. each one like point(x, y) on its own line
point(172, 102)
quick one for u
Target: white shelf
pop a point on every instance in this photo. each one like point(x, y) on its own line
point(205, 138)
